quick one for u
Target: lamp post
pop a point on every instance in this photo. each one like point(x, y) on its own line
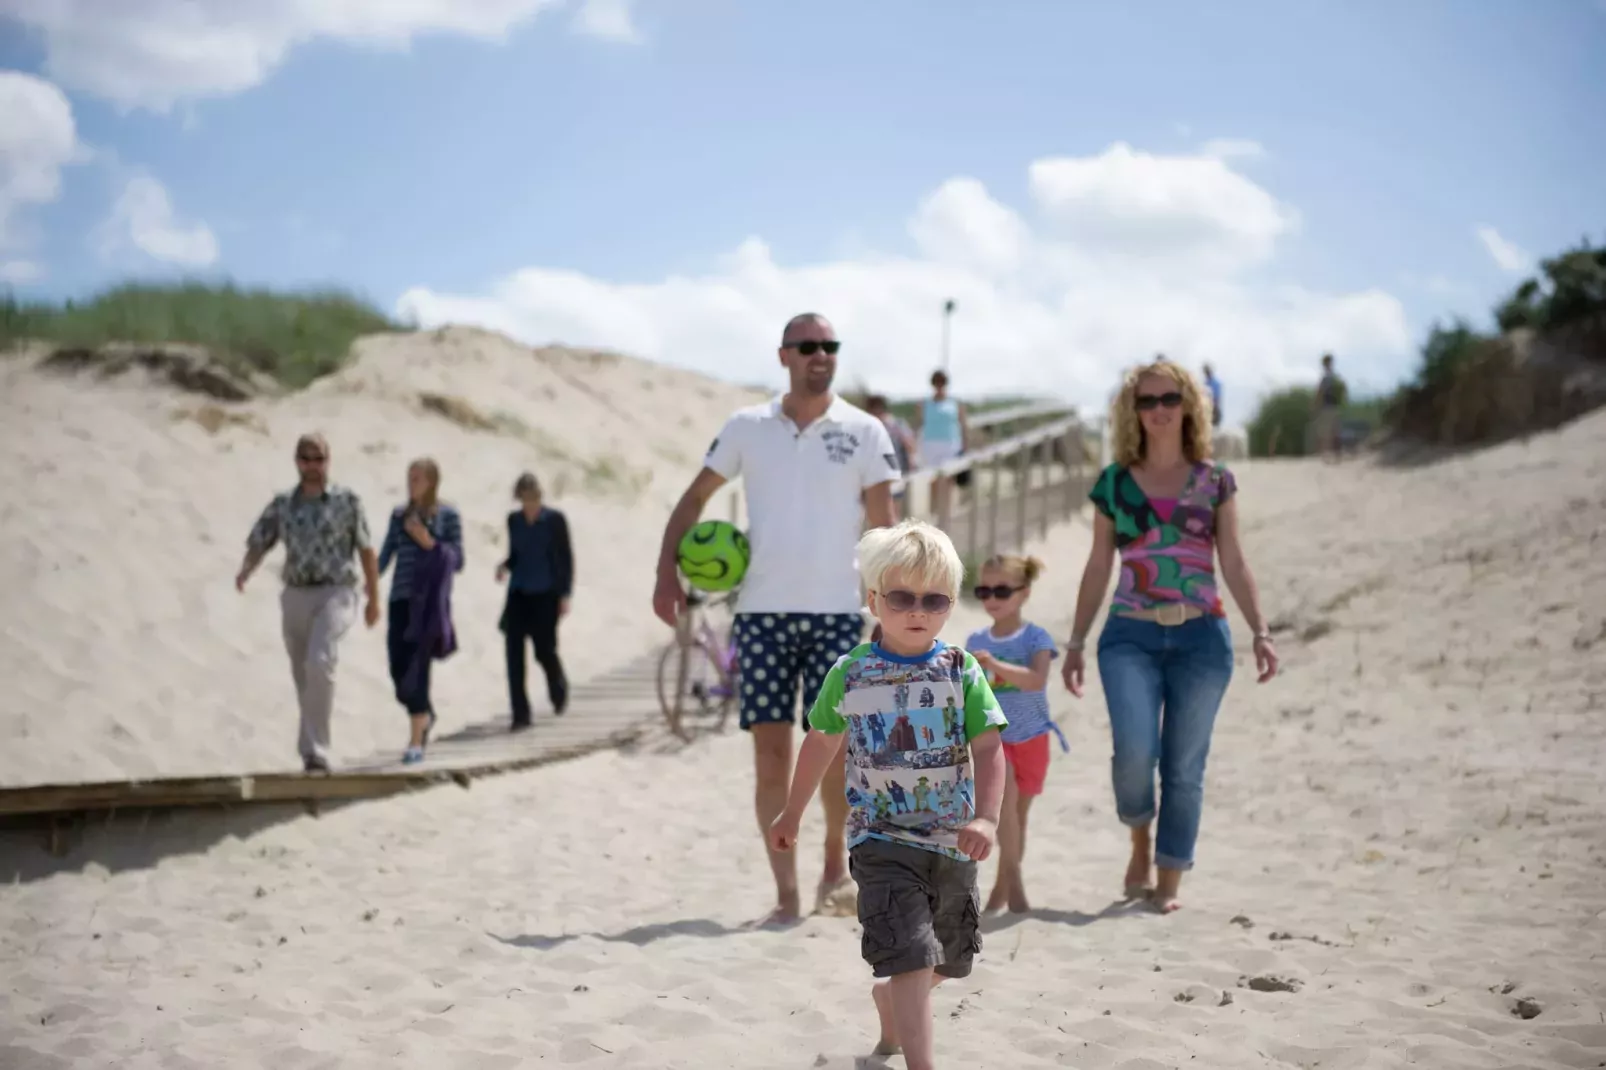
point(947, 315)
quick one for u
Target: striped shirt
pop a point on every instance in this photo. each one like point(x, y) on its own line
point(1027, 710)
point(445, 526)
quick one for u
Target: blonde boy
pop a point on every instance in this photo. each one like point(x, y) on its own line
point(925, 780)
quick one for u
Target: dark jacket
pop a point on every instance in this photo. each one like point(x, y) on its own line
point(429, 616)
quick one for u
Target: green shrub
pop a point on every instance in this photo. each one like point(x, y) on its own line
point(1281, 424)
point(293, 337)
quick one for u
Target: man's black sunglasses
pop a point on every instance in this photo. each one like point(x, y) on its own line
point(809, 348)
point(1170, 399)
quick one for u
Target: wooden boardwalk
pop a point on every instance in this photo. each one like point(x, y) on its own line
point(606, 712)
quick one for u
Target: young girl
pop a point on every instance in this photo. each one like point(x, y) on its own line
point(1016, 655)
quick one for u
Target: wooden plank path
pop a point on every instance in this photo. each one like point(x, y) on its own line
point(608, 711)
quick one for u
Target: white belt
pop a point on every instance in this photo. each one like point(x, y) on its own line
point(1169, 615)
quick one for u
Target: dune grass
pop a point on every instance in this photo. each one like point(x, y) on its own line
point(293, 337)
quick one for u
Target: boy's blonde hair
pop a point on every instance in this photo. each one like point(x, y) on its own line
point(1027, 568)
point(917, 551)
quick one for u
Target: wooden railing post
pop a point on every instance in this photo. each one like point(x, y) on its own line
point(1023, 490)
point(992, 510)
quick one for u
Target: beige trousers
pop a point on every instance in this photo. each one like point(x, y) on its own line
point(315, 619)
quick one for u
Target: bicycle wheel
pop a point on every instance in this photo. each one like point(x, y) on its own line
point(689, 684)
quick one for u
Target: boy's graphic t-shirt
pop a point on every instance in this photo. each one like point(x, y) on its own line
point(909, 723)
point(1027, 710)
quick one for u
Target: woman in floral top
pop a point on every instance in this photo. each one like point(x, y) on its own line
point(1165, 655)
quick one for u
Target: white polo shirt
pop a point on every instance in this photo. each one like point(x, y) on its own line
point(804, 506)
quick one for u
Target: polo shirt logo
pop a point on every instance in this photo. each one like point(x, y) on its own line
point(840, 446)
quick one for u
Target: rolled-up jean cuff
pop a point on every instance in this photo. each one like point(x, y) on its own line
point(1167, 862)
point(1138, 820)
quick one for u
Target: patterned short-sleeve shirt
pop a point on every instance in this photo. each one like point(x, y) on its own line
point(321, 536)
point(1169, 559)
point(909, 723)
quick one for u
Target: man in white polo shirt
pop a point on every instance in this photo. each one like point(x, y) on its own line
point(815, 468)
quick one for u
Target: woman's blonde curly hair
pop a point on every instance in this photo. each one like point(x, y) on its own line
point(1127, 430)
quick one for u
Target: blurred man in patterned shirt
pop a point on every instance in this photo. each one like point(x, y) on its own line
point(322, 527)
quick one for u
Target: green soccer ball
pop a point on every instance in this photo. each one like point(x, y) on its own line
point(713, 555)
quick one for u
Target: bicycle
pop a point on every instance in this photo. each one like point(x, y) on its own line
point(697, 671)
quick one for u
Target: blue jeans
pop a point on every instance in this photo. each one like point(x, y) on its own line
point(1146, 667)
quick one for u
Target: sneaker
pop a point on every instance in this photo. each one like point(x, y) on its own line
point(315, 764)
point(412, 755)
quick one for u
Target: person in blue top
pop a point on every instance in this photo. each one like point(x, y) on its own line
point(539, 570)
point(944, 433)
point(420, 527)
point(1015, 654)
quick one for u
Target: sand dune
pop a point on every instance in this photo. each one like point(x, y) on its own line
point(1402, 862)
point(128, 651)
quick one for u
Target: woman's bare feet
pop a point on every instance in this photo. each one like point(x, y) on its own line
point(1137, 884)
point(881, 994)
point(1165, 897)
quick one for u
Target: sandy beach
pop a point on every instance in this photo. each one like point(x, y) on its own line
point(1402, 864)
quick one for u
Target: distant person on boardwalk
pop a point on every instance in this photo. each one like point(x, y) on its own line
point(323, 527)
point(919, 724)
point(539, 570)
point(425, 539)
point(815, 469)
point(1165, 655)
point(1327, 409)
point(944, 434)
point(903, 436)
point(1214, 386)
point(1016, 655)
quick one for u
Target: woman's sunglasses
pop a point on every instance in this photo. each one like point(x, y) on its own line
point(808, 349)
point(1001, 592)
point(906, 601)
point(1170, 399)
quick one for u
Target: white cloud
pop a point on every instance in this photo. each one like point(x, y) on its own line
point(20, 272)
point(607, 19)
point(37, 139)
point(1172, 211)
point(155, 53)
point(1055, 306)
point(143, 218)
point(1505, 253)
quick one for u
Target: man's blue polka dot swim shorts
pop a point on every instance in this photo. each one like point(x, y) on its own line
point(779, 653)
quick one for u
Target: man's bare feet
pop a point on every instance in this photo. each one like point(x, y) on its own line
point(1008, 895)
point(838, 898)
point(788, 911)
point(881, 994)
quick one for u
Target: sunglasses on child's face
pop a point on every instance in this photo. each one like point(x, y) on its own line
point(1000, 592)
point(908, 602)
point(1170, 399)
point(809, 348)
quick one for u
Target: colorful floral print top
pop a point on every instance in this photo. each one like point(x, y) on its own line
point(1167, 554)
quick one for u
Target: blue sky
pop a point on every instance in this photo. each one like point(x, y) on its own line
point(1247, 183)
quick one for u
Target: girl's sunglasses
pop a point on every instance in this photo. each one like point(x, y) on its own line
point(907, 601)
point(1170, 399)
point(808, 349)
point(1001, 592)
